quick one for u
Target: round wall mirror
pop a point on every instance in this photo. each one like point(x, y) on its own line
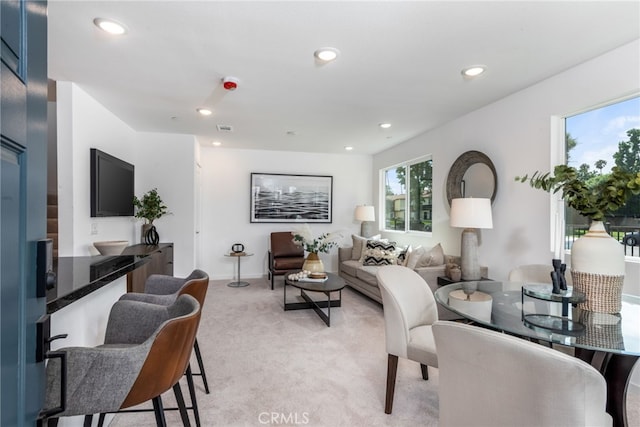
point(472, 175)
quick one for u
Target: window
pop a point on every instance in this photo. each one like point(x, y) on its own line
point(596, 141)
point(408, 203)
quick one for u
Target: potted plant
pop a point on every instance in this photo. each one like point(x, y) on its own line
point(593, 202)
point(597, 263)
point(150, 207)
point(304, 237)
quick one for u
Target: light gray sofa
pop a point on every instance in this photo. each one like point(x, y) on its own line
point(362, 278)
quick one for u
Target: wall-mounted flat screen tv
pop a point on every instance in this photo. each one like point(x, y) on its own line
point(112, 185)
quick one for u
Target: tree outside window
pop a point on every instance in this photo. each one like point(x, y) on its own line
point(415, 193)
point(596, 141)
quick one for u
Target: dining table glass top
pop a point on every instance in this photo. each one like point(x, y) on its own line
point(511, 309)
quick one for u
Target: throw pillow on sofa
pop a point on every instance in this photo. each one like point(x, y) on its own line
point(435, 256)
point(415, 256)
point(379, 252)
point(402, 254)
point(359, 244)
point(421, 257)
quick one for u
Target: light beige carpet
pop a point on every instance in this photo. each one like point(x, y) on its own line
point(266, 366)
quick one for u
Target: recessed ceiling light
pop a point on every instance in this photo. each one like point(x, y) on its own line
point(348, 148)
point(216, 143)
point(110, 26)
point(326, 54)
point(474, 71)
point(204, 111)
point(385, 125)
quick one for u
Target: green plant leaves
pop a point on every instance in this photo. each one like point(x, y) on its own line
point(150, 207)
point(609, 195)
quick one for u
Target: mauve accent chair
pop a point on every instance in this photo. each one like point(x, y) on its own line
point(409, 311)
point(492, 379)
point(145, 353)
point(284, 254)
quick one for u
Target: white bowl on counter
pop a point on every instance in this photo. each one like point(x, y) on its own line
point(111, 247)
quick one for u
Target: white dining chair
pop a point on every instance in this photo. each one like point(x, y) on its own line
point(488, 378)
point(409, 311)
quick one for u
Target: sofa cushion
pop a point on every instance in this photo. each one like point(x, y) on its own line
point(359, 244)
point(421, 257)
point(415, 256)
point(350, 267)
point(433, 257)
point(367, 274)
point(379, 252)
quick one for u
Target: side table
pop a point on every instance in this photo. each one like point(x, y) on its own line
point(563, 324)
point(238, 283)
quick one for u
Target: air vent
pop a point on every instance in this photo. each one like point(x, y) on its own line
point(225, 128)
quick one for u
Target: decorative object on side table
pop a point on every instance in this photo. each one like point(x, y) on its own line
point(237, 249)
point(470, 214)
point(304, 237)
point(455, 273)
point(150, 207)
point(597, 259)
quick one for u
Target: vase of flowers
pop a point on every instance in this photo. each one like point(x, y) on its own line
point(597, 259)
point(149, 207)
point(314, 245)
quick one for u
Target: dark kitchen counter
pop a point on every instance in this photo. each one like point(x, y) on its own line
point(80, 276)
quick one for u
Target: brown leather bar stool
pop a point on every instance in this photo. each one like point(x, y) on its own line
point(146, 352)
point(163, 290)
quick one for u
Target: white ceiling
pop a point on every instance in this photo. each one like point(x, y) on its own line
point(400, 62)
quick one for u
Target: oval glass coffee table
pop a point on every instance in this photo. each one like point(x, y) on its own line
point(333, 284)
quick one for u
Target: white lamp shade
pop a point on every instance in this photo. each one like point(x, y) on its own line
point(471, 213)
point(365, 213)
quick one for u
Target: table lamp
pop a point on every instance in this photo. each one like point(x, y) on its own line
point(367, 215)
point(470, 214)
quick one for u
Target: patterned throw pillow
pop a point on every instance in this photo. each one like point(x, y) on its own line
point(379, 252)
point(359, 244)
point(402, 254)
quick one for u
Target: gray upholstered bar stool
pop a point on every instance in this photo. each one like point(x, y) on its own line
point(163, 290)
point(123, 372)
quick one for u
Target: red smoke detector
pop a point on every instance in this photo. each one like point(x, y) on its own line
point(230, 83)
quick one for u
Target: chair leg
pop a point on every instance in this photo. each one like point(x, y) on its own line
point(392, 370)
point(192, 393)
point(88, 419)
point(272, 277)
point(159, 412)
point(425, 371)
point(181, 406)
point(196, 348)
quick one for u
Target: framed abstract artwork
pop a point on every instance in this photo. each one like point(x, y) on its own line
point(291, 198)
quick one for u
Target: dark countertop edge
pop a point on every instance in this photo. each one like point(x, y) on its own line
point(58, 303)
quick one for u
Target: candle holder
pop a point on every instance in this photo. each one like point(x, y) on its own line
point(558, 280)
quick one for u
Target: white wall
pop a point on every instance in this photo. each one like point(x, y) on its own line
point(515, 133)
point(164, 161)
point(167, 162)
point(83, 124)
point(226, 198)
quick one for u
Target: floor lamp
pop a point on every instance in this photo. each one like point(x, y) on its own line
point(470, 214)
point(367, 215)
